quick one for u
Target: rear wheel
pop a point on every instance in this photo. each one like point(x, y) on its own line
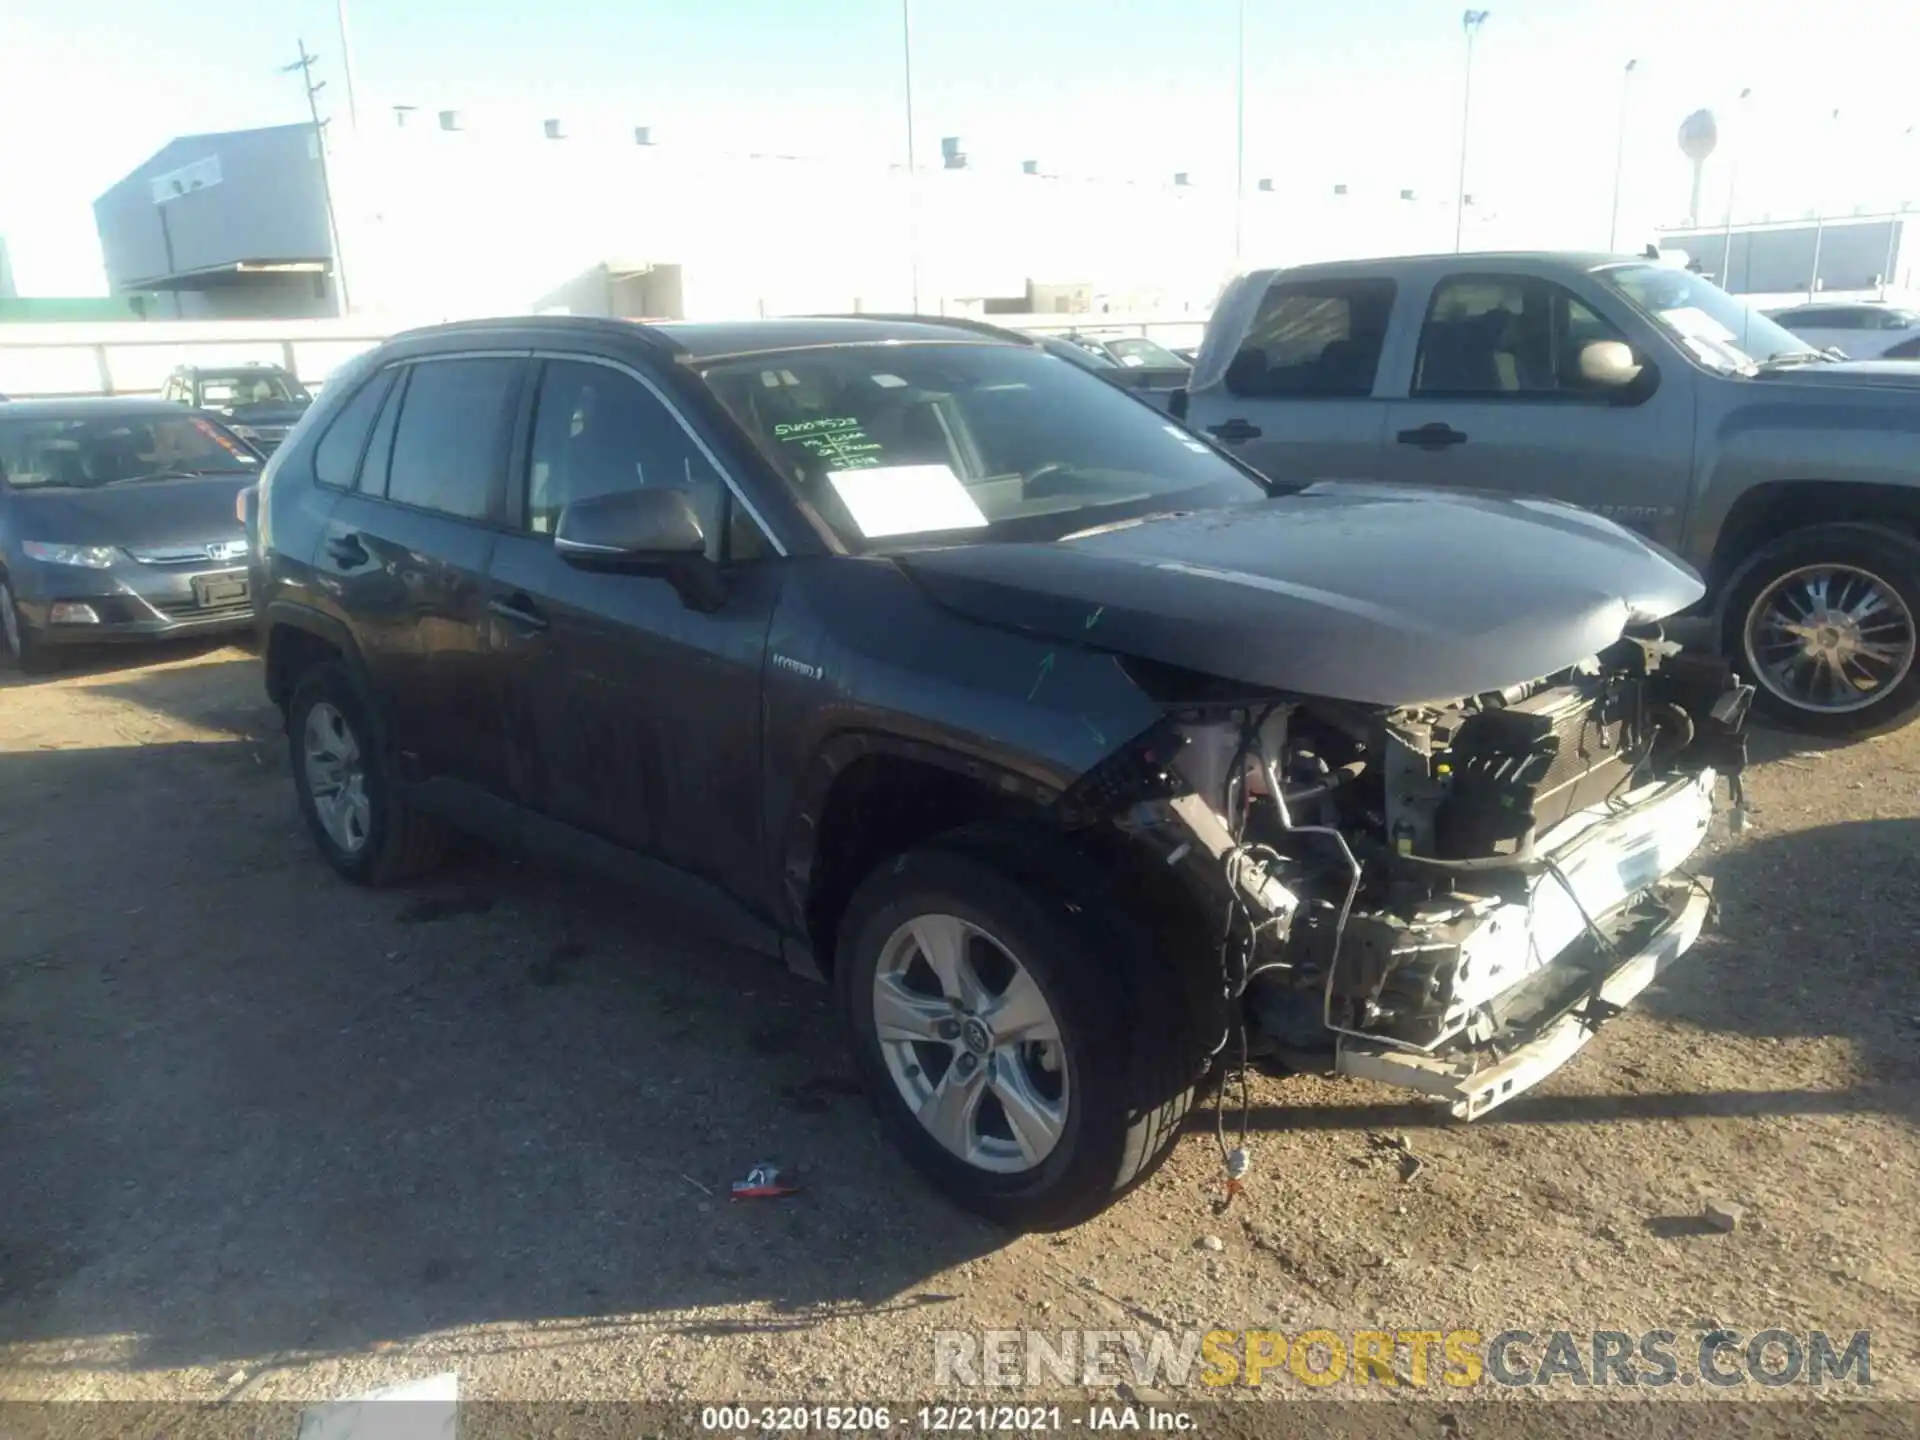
point(363, 827)
point(1823, 621)
point(1014, 1048)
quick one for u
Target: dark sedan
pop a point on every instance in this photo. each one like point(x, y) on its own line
point(118, 522)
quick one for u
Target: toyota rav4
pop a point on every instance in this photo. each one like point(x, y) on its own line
point(1082, 761)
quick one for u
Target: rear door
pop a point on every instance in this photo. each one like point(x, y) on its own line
point(631, 713)
point(405, 553)
point(1495, 401)
point(1299, 398)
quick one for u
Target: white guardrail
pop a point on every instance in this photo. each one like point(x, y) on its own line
point(46, 360)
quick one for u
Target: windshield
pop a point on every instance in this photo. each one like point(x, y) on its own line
point(1076, 353)
point(110, 450)
point(1148, 353)
point(225, 392)
point(1719, 329)
point(897, 443)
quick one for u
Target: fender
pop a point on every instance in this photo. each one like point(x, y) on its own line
point(799, 843)
point(283, 615)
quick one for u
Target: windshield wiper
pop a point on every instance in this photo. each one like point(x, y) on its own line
point(1785, 359)
point(175, 475)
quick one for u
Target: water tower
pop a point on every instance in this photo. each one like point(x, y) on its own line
point(1699, 133)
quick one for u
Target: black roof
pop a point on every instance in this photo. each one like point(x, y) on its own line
point(84, 407)
point(697, 340)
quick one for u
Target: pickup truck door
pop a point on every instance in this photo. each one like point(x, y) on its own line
point(1494, 400)
point(1296, 401)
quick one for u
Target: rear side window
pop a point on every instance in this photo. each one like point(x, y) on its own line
point(447, 446)
point(1314, 339)
point(336, 459)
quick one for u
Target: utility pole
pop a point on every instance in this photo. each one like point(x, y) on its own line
point(1470, 22)
point(1733, 173)
point(1240, 140)
point(346, 64)
point(913, 170)
point(304, 65)
point(1620, 155)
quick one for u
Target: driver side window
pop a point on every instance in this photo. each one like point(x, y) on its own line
point(1508, 336)
point(597, 431)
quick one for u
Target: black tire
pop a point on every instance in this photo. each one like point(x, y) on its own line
point(21, 647)
point(1890, 557)
point(400, 842)
point(1130, 1056)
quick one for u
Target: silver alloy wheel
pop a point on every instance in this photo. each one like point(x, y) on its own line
point(971, 1043)
point(336, 777)
point(1830, 638)
point(10, 622)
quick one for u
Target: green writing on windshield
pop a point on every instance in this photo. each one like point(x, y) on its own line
point(840, 441)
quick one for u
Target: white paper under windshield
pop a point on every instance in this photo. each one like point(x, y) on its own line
point(906, 500)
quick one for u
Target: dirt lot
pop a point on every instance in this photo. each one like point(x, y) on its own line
point(264, 1134)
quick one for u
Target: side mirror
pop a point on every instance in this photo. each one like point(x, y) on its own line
point(641, 532)
point(1609, 364)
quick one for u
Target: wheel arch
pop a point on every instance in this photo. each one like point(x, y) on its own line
point(865, 796)
point(1768, 512)
point(293, 638)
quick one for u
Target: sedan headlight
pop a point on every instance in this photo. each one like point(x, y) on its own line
point(88, 557)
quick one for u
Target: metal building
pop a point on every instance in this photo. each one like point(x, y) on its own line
point(1853, 257)
point(231, 225)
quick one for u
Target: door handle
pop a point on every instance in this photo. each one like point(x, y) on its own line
point(1436, 436)
point(1234, 430)
point(519, 610)
point(347, 552)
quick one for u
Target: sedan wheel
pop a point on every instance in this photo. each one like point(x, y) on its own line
point(971, 1044)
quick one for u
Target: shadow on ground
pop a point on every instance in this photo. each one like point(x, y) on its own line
point(254, 1112)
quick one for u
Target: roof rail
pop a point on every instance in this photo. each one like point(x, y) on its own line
point(653, 336)
point(955, 322)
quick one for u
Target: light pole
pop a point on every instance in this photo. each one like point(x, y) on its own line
point(1470, 22)
point(1819, 233)
point(1733, 171)
point(913, 185)
point(1895, 222)
point(1240, 138)
point(1620, 155)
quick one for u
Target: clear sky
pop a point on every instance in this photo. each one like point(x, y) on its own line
point(1365, 92)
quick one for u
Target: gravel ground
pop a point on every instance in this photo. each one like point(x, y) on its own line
point(265, 1135)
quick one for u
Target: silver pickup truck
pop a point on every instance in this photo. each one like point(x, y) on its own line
point(1632, 387)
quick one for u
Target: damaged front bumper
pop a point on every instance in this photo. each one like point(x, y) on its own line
point(1470, 1085)
point(1598, 924)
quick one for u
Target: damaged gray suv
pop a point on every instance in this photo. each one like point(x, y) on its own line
point(1079, 759)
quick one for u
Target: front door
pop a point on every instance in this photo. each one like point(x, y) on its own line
point(405, 553)
point(632, 713)
point(1496, 401)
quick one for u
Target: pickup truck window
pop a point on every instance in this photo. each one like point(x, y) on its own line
point(1506, 335)
point(1314, 338)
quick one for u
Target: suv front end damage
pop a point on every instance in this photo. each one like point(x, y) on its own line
point(1450, 897)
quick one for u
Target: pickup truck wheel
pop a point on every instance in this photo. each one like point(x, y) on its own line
point(1824, 623)
point(365, 830)
point(994, 1024)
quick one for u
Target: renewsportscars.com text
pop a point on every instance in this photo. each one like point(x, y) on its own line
point(1444, 1359)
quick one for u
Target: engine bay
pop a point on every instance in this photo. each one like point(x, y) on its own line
point(1440, 877)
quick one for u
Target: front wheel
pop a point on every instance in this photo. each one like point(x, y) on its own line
point(1003, 1034)
point(1823, 621)
point(18, 643)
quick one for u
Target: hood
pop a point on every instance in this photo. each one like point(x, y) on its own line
point(267, 412)
point(151, 513)
point(1372, 593)
point(1867, 374)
